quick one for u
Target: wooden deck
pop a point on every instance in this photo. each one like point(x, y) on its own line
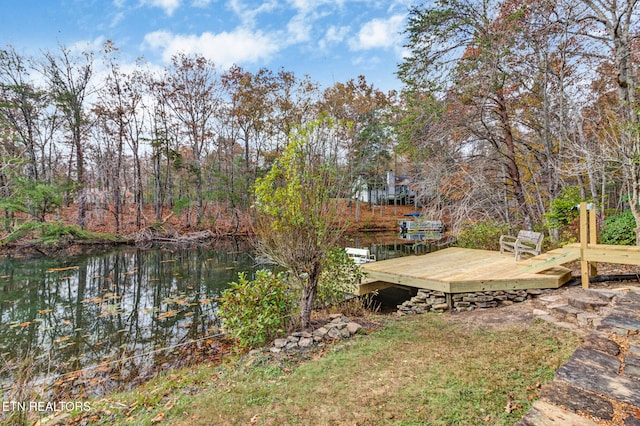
point(458, 270)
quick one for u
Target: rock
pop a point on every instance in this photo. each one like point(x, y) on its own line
point(585, 319)
point(280, 343)
point(587, 303)
point(333, 333)
point(539, 312)
point(632, 420)
point(305, 342)
point(620, 325)
point(576, 399)
point(485, 305)
point(420, 296)
point(545, 414)
point(339, 319)
point(598, 380)
point(320, 332)
point(600, 343)
point(632, 366)
point(353, 327)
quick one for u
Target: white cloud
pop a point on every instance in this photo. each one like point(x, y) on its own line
point(332, 36)
point(248, 13)
point(379, 33)
point(94, 45)
point(117, 18)
point(224, 49)
point(299, 28)
point(169, 6)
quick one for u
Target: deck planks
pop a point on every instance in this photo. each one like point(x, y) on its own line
point(459, 270)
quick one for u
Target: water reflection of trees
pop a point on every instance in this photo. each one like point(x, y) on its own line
point(113, 307)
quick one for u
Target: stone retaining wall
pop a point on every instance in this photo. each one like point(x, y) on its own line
point(436, 301)
point(339, 327)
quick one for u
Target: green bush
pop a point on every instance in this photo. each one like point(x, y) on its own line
point(482, 235)
point(563, 210)
point(255, 311)
point(338, 278)
point(54, 234)
point(619, 229)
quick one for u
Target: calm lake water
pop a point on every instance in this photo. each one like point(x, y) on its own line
point(124, 307)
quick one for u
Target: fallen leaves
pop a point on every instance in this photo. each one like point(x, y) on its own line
point(168, 314)
point(68, 268)
point(159, 418)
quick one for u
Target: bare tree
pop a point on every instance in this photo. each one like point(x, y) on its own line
point(191, 90)
point(68, 76)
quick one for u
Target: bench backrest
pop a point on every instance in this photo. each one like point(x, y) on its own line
point(357, 252)
point(531, 237)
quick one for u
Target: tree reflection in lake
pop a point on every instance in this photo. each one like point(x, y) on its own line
point(125, 305)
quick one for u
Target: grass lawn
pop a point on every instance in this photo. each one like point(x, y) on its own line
point(418, 370)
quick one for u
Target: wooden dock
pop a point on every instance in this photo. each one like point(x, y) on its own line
point(458, 270)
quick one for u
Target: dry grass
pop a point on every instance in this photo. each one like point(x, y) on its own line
point(417, 370)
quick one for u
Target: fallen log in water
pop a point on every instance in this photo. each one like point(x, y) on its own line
point(149, 236)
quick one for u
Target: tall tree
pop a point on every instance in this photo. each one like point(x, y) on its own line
point(69, 76)
point(295, 213)
point(461, 54)
point(614, 25)
point(191, 90)
point(121, 112)
point(21, 105)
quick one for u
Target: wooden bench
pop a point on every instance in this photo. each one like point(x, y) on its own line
point(525, 242)
point(360, 256)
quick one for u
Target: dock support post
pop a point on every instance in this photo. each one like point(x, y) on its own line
point(593, 239)
point(588, 235)
point(584, 235)
point(449, 298)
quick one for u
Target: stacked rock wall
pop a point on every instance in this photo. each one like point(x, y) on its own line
point(436, 301)
point(339, 327)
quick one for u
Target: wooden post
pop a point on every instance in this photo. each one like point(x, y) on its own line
point(593, 239)
point(584, 235)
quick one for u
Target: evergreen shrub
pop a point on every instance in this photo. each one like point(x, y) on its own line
point(619, 229)
point(256, 311)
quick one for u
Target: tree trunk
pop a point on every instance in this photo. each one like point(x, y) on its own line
point(309, 292)
point(512, 166)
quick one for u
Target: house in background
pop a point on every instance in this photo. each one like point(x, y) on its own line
point(385, 189)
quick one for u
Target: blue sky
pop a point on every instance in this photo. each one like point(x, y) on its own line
point(331, 40)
